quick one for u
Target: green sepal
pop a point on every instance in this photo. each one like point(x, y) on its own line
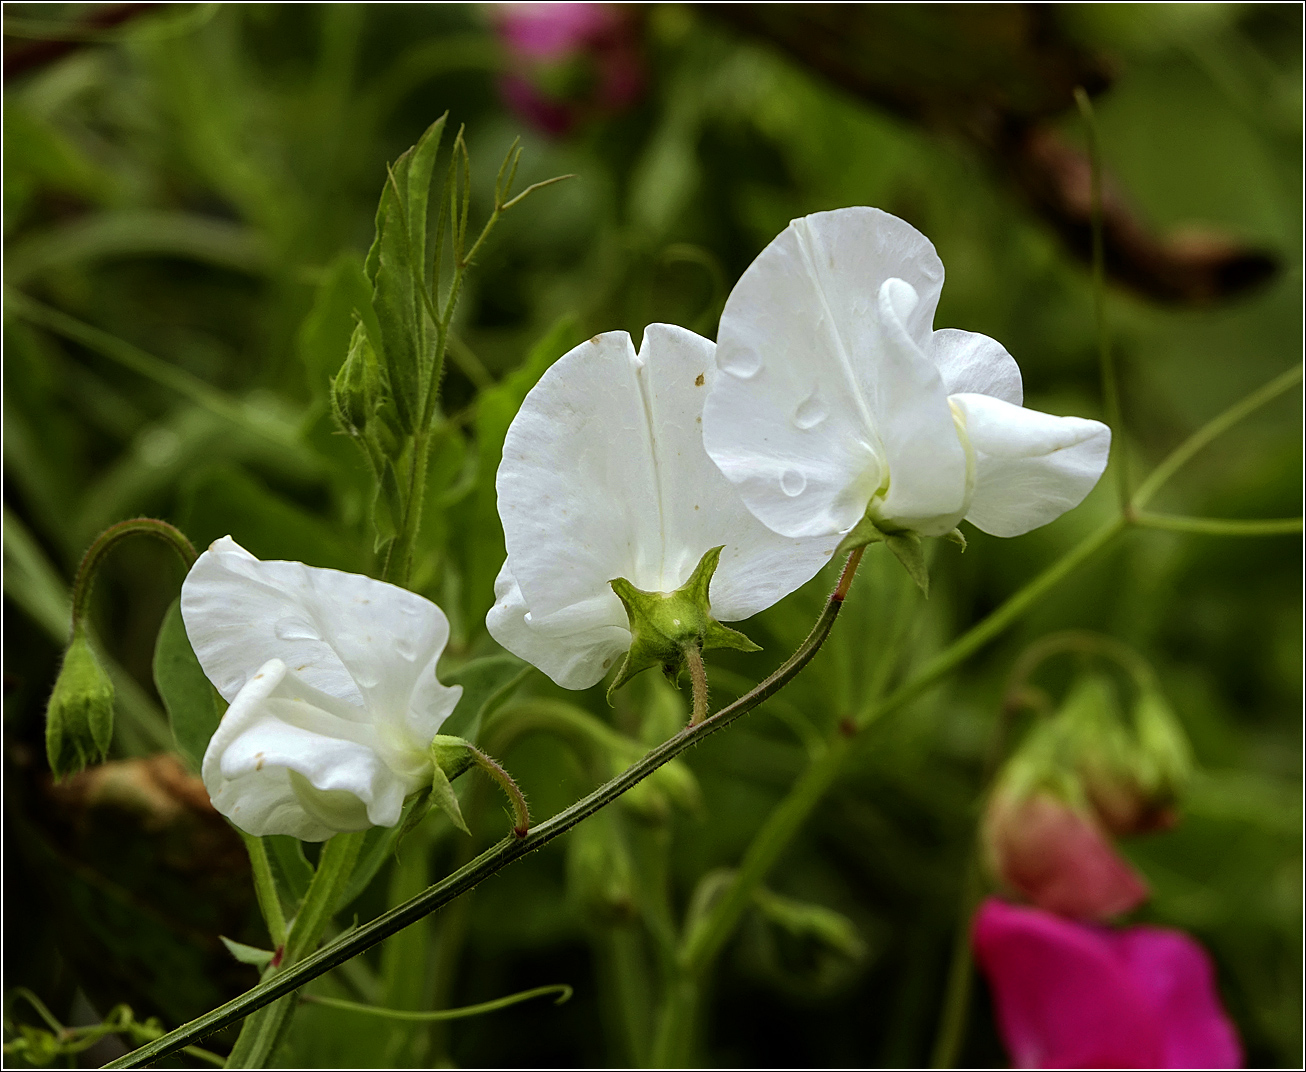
point(864, 532)
point(663, 625)
point(450, 757)
point(958, 537)
point(387, 507)
point(79, 717)
point(907, 547)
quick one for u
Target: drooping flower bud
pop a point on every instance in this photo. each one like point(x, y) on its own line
point(1042, 840)
point(1133, 769)
point(79, 718)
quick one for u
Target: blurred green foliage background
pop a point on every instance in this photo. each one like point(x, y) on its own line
point(185, 183)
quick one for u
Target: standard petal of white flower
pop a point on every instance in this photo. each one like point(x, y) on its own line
point(1030, 467)
point(604, 476)
point(332, 687)
point(834, 403)
point(971, 363)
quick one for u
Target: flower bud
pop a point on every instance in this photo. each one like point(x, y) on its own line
point(356, 389)
point(79, 718)
point(1132, 773)
point(1058, 857)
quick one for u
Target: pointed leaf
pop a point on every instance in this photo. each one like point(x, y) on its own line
point(444, 798)
point(247, 954)
point(193, 705)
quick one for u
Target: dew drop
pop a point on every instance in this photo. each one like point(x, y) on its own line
point(741, 364)
point(792, 482)
point(407, 648)
point(294, 629)
point(810, 412)
point(365, 679)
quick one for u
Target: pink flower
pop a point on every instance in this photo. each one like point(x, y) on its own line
point(1071, 994)
point(1058, 857)
point(570, 61)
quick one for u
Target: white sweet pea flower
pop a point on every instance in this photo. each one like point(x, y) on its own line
point(331, 683)
point(604, 476)
point(838, 401)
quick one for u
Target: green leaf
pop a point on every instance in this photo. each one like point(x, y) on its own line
point(290, 870)
point(247, 954)
point(194, 706)
point(324, 335)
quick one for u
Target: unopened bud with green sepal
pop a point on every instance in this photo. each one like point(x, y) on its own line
point(79, 718)
point(664, 625)
point(356, 390)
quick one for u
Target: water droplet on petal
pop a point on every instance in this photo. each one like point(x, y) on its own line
point(810, 412)
point(407, 648)
point(741, 364)
point(295, 629)
point(792, 482)
point(364, 677)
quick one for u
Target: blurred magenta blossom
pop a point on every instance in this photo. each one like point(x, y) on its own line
point(572, 61)
point(1070, 994)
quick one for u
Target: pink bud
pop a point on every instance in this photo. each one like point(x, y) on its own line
point(1081, 995)
point(1058, 857)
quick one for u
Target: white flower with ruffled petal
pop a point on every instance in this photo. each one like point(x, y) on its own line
point(333, 697)
point(838, 401)
point(604, 476)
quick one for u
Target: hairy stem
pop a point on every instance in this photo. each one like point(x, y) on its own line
point(698, 679)
point(265, 890)
point(108, 539)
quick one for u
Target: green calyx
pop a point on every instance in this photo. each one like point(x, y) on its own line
point(79, 718)
point(453, 756)
point(906, 547)
point(664, 626)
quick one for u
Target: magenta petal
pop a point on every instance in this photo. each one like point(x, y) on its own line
point(1063, 999)
point(1176, 974)
point(1071, 994)
point(548, 31)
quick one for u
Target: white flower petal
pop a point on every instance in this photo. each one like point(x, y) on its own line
point(575, 646)
point(926, 461)
point(290, 759)
point(604, 475)
point(1030, 467)
point(360, 640)
point(795, 422)
point(971, 363)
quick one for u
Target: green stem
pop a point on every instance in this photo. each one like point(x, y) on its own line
point(107, 540)
point(980, 634)
point(956, 1001)
point(1106, 361)
point(493, 859)
point(261, 1033)
point(1220, 526)
point(1216, 426)
point(1015, 695)
point(265, 890)
point(674, 1042)
point(563, 991)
